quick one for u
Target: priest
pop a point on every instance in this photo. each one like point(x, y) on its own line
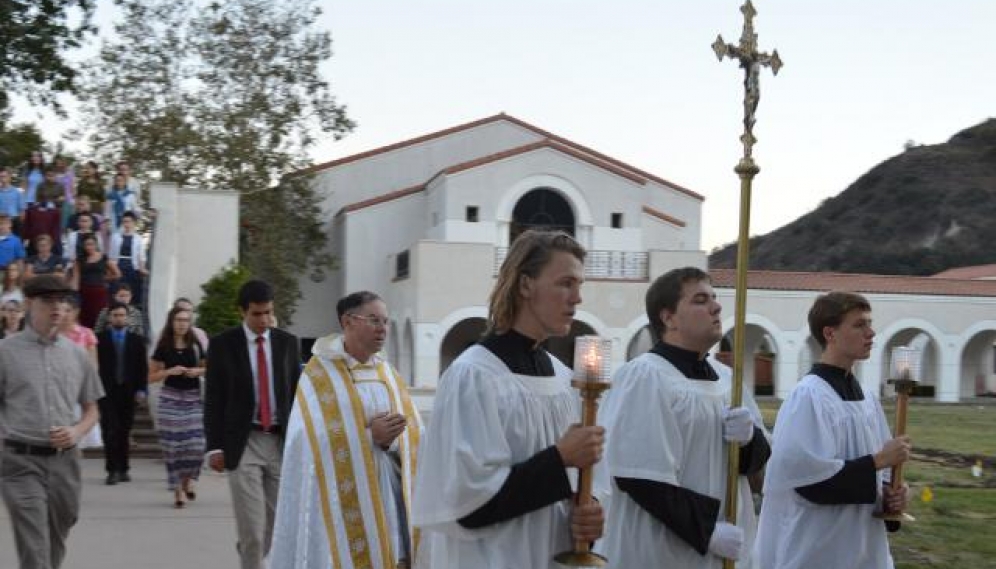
point(349, 458)
point(493, 487)
point(831, 455)
point(670, 423)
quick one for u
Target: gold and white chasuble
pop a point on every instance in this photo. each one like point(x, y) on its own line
point(343, 501)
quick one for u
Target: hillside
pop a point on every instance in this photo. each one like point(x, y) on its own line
point(918, 213)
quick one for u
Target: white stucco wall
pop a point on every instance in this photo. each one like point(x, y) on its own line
point(186, 220)
point(949, 322)
point(416, 164)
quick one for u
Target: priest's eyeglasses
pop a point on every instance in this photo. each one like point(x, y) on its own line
point(375, 321)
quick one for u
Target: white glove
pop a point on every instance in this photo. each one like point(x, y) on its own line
point(727, 541)
point(738, 426)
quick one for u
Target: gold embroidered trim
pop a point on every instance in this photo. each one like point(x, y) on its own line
point(323, 488)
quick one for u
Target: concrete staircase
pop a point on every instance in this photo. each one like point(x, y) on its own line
point(143, 434)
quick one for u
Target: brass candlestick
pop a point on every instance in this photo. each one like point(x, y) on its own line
point(905, 371)
point(592, 356)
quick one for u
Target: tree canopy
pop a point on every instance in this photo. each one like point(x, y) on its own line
point(34, 39)
point(227, 96)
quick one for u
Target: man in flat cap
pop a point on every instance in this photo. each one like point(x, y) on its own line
point(43, 376)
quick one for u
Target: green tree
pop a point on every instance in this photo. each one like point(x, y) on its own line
point(17, 142)
point(34, 38)
point(219, 307)
point(227, 97)
point(137, 98)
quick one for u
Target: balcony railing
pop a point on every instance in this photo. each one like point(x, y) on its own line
point(612, 265)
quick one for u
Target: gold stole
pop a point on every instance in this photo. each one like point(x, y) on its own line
point(341, 423)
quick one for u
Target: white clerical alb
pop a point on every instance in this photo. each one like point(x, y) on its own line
point(815, 432)
point(485, 420)
point(343, 501)
point(663, 427)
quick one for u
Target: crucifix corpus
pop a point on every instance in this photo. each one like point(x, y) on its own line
point(751, 61)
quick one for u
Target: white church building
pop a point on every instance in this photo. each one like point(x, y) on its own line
point(426, 223)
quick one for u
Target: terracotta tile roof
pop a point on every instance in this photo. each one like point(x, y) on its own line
point(477, 162)
point(544, 144)
point(390, 196)
point(601, 156)
point(786, 280)
point(973, 272)
point(491, 119)
point(663, 216)
point(402, 144)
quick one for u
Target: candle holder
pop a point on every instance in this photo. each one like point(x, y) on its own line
point(592, 376)
point(905, 373)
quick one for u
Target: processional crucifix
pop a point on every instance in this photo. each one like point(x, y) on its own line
point(751, 61)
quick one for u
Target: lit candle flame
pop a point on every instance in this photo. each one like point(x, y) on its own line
point(591, 363)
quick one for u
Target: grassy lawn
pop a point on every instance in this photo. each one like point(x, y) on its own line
point(957, 527)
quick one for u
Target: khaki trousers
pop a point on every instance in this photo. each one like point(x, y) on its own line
point(42, 494)
point(254, 486)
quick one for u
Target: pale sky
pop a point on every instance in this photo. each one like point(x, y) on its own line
point(638, 80)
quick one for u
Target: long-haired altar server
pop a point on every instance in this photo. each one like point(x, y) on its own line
point(493, 489)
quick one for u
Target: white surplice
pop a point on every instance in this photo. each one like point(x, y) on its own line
point(485, 420)
point(667, 428)
point(815, 432)
point(343, 501)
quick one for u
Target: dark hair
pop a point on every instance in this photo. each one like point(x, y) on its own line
point(665, 292)
point(166, 338)
point(122, 286)
point(4, 168)
point(4, 216)
point(256, 292)
point(354, 301)
point(830, 309)
point(182, 299)
point(116, 305)
point(28, 166)
point(130, 214)
point(529, 254)
point(3, 319)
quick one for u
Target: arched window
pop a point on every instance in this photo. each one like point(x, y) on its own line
point(541, 208)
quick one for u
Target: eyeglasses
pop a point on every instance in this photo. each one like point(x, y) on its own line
point(375, 321)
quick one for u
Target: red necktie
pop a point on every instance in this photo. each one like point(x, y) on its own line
point(263, 373)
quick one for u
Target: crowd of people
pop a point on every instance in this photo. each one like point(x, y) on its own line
point(329, 464)
point(77, 225)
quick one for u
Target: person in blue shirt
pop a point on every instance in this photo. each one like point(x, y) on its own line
point(32, 175)
point(11, 248)
point(11, 200)
point(124, 370)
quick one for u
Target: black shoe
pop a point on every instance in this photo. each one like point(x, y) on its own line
point(112, 478)
point(124, 477)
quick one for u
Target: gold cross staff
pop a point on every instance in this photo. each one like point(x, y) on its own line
point(751, 61)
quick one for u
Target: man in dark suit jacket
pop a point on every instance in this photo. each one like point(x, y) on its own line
point(252, 373)
point(124, 371)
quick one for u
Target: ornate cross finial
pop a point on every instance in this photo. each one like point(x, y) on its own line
point(751, 61)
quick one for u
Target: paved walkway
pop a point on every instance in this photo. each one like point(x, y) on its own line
point(135, 524)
